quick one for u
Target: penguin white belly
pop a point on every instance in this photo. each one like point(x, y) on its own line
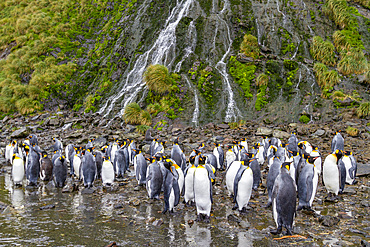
point(76, 165)
point(107, 172)
point(259, 155)
point(317, 163)
point(230, 158)
point(331, 177)
point(7, 153)
point(181, 179)
point(149, 188)
point(348, 164)
point(18, 171)
point(66, 152)
point(215, 153)
point(189, 185)
point(171, 200)
point(230, 176)
point(202, 191)
point(113, 152)
point(292, 172)
point(137, 174)
point(274, 212)
point(315, 180)
point(245, 188)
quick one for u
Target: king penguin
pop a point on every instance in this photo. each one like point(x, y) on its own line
point(337, 143)
point(17, 170)
point(33, 139)
point(244, 143)
point(203, 190)
point(70, 153)
point(140, 167)
point(284, 200)
point(230, 176)
point(57, 145)
point(170, 186)
point(60, 171)
point(189, 180)
point(8, 157)
point(307, 184)
point(88, 168)
point(98, 162)
point(77, 163)
point(243, 184)
point(33, 167)
point(351, 167)
point(178, 155)
point(271, 177)
point(230, 156)
point(107, 171)
point(46, 167)
point(255, 167)
point(331, 172)
point(219, 153)
point(154, 179)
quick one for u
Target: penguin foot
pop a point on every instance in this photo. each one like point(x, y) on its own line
point(199, 218)
point(206, 219)
point(288, 232)
point(235, 207)
point(276, 232)
point(164, 211)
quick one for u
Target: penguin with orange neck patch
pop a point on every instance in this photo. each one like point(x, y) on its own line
point(46, 167)
point(170, 187)
point(60, 171)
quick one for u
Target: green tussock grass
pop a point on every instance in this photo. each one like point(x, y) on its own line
point(132, 113)
point(363, 110)
point(262, 80)
point(339, 12)
point(157, 78)
point(325, 78)
point(249, 46)
point(352, 131)
point(323, 51)
point(142, 129)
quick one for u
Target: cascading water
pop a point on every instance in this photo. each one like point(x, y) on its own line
point(192, 37)
point(232, 110)
point(195, 118)
point(162, 52)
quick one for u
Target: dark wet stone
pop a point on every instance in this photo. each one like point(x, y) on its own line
point(362, 169)
point(88, 191)
point(223, 126)
point(365, 204)
point(158, 222)
point(364, 243)
point(233, 218)
point(47, 207)
point(319, 132)
point(118, 206)
point(329, 220)
point(350, 190)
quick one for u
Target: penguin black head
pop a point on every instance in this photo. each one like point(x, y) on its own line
point(44, 154)
point(106, 158)
point(197, 152)
point(300, 145)
point(14, 142)
point(229, 147)
point(347, 153)
point(311, 159)
point(53, 139)
point(202, 160)
point(158, 157)
point(306, 155)
point(235, 142)
point(338, 153)
point(244, 139)
point(192, 159)
point(62, 158)
point(286, 165)
point(241, 146)
point(284, 144)
point(176, 141)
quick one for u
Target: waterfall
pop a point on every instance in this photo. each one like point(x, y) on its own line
point(195, 118)
point(192, 37)
point(232, 110)
point(160, 53)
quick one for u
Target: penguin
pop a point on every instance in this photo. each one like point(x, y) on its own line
point(331, 172)
point(88, 168)
point(351, 167)
point(307, 184)
point(243, 184)
point(56, 155)
point(70, 153)
point(318, 161)
point(113, 150)
point(107, 171)
point(153, 146)
point(342, 175)
point(15, 149)
point(159, 149)
point(154, 179)
point(189, 181)
point(77, 163)
point(60, 171)
point(284, 200)
point(275, 141)
point(305, 147)
point(201, 147)
point(266, 144)
point(130, 147)
point(178, 155)
point(240, 152)
point(170, 186)
point(46, 167)
point(180, 175)
point(235, 148)
point(270, 155)
point(271, 177)
point(98, 162)
point(230, 156)
point(219, 153)
point(293, 143)
point(230, 175)
point(211, 161)
point(120, 160)
point(259, 155)
point(203, 190)
point(244, 143)
point(89, 144)
point(8, 158)
point(17, 170)
point(32, 167)
point(338, 142)
point(140, 167)
point(57, 145)
point(255, 167)
point(33, 139)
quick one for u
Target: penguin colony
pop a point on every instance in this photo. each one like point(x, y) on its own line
point(294, 169)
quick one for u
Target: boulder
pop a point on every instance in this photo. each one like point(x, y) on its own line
point(363, 169)
point(20, 133)
point(280, 134)
point(264, 131)
point(223, 126)
point(319, 132)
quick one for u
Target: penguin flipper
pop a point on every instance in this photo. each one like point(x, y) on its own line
point(309, 187)
point(342, 175)
point(237, 179)
point(176, 190)
point(210, 190)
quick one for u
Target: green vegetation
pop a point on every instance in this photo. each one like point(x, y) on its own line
point(287, 44)
point(157, 78)
point(236, 125)
point(323, 51)
point(325, 78)
point(352, 131)
point(242, 74)
point(132, 113)
point(262, 80)
point(142, 129)
point(304, 119)
point(261, 100)
point(363, 110)
point(249, 46)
